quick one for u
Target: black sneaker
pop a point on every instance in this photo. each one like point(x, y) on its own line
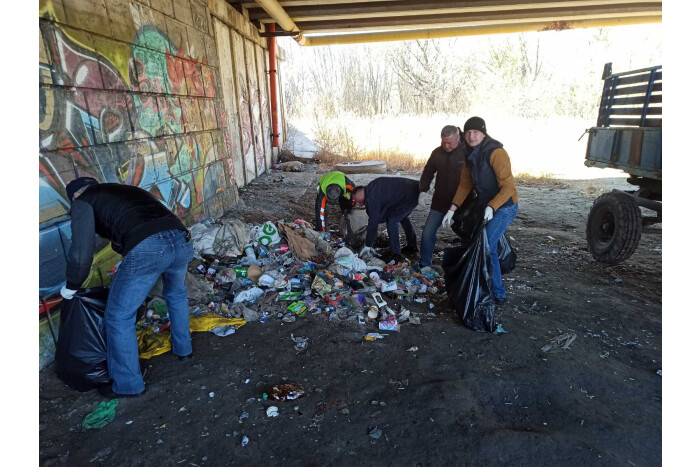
point(106, 390)
point(396, 258)
point(499, 301)
point(408, 249)
point(183, 358)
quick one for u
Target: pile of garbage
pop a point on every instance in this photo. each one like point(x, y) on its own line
point(288, 271)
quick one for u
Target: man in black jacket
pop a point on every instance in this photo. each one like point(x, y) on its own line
point(154, 243)
point(447, 161)
point(389, 200)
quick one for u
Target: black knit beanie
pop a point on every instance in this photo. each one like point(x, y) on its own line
point(77, 184)
point(475, 123)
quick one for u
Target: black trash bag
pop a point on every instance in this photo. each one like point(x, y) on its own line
point(506, 255)
point(468, 219)
point(468, 283)
point(81, 350)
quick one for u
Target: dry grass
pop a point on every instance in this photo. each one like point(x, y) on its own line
point(538, 180)
point(336, 145)
point(394, 160)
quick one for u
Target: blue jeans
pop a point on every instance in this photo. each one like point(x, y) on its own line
point(429, 236)
point(165, 253)
point(494, 229)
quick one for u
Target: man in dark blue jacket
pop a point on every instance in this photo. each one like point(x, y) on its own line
point(389, 200)
point(154, 243)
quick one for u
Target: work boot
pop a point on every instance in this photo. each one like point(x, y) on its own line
point(409, 249)
point(499, 301)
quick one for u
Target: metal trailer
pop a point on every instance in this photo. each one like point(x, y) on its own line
point(627, 137)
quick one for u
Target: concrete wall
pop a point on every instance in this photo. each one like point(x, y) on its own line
point(168, 95)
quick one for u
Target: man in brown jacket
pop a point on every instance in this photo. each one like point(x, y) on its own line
point(487, 171)
point(447, 161)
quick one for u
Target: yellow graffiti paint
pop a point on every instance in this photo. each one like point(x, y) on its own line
point(51, 10)
point(116, 53)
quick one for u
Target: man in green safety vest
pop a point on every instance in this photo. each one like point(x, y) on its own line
point(336, 188)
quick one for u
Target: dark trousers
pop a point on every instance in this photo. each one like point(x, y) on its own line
point(393, 229)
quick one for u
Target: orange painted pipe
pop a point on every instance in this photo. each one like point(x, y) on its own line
point(272, 53)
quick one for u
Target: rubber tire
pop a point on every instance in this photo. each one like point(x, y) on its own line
point(614, 227)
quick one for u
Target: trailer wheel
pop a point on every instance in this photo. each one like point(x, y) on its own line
point(614, 227)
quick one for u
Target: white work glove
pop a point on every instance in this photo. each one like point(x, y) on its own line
point(447, 220)
point(424, 199)
point(488, 213)
point(67, 293)
point(366, 251)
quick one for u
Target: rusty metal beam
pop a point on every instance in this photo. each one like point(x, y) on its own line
point(476, 31)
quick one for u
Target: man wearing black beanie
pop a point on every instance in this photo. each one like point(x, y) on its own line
point(154, 243)
point(488, 172)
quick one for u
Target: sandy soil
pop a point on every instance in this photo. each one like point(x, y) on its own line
point(460, 398)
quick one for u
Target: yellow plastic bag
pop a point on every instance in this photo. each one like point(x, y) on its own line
point(152, 344)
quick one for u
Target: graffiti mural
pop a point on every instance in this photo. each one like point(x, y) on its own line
point(254, 102)
point(227, 108)
point(264, 106)
point(140, 114)
point(244, 107)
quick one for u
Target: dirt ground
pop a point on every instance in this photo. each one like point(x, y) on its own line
point(461, 398)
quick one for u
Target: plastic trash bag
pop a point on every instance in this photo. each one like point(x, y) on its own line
point(468, 283)
point(506, 255)
point(352, 220)
point(81, 350)
point(469, 219)
point(266, 234)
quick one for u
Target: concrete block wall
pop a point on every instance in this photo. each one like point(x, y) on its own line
point(130, 92)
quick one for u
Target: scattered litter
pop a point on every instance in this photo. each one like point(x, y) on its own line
point(500, 330)
point(375, 433)
point(102, 415)
point(278, 272)
point(659, 373)
point(373, 336)
point(223, 331)
point(244, 441)
point(412, 349)
point(563, 341)
point(389, 324)
point(272, 411)
point(250, 295)
point(287, 391)
point(300, 343)
point(128, 422)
